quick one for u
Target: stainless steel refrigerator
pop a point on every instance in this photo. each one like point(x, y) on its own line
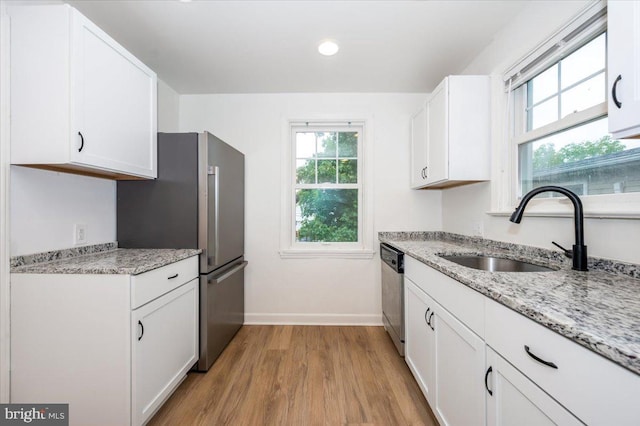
point(197, 201)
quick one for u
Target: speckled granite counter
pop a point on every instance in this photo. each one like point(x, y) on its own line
point(99, 259)
point(599, 309)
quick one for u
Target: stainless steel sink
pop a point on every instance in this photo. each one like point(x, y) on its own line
point(495, 264)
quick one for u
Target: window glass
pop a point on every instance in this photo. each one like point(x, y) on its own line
point(584, 95)
point(327, 215)
point(327, 189)
point(583, 159)
point(584, 62)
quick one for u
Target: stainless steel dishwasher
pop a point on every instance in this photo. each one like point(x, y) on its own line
point(393, 294)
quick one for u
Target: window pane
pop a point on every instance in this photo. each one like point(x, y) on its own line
point(305, 171)
point(584, 95)
point(543, 86)
point(348, 144)
point(347, 171)
point(326, 144)
point(327, 215)
point(305, 145)
point(584, 159)
point(583, 62)
point(326, 171)
point(545, 113)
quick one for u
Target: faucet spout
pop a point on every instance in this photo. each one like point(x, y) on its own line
point(579, 252)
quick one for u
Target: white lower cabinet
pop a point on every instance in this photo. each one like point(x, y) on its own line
point(515, 400)
point(478, 362)
point(459, 358)
point(113, 347)
point(165, 346)
point(420, 339)
point(444, 356)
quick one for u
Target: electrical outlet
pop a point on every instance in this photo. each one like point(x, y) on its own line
point(79, 233)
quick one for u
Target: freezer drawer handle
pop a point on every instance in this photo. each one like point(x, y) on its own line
point(172, 277)
point(228, 274)
point(141, 330)
point(540, 360)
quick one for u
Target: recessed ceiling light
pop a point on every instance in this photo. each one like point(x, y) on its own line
point(328, 48)
point(184, 1)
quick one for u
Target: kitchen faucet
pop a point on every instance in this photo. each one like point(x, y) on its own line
point(579, 252)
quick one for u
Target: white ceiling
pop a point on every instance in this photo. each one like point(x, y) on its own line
point(271, 46)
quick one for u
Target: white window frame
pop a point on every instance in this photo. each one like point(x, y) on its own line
point(363, 248)
point(506, 190)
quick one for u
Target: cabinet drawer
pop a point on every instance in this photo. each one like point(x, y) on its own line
point(594, 389)
point(465, 304)
point(150, 285)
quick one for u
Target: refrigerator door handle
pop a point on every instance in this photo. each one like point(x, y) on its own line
point(226, 275)
point(216, 215)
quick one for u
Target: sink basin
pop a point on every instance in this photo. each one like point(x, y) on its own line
point(495, 264)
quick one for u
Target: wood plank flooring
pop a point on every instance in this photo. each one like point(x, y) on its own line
point(301, 375)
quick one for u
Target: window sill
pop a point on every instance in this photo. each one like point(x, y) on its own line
point(587, 215)
point(326, 254)
point(606, 206)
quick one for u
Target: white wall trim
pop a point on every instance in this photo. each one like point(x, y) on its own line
point(313, 319)
point(5, 330)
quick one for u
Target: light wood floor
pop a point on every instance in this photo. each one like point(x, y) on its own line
point(301, 375)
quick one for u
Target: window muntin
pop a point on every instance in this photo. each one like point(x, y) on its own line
point(573, 84)
point(555, 147)
point(327, 192)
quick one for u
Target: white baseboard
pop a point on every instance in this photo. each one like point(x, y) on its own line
point(312, 319)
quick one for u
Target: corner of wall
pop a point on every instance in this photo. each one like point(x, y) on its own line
point(5, 337)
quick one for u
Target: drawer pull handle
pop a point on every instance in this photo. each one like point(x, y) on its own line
point(429, 322)
point(81, 141)
point(172, 277)
point(486, 378)
point(141, 330)
point(540, 360)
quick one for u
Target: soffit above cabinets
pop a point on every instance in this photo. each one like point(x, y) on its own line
point(271, 46)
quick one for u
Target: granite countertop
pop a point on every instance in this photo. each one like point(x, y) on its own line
point(99, 259)
point(599, 309)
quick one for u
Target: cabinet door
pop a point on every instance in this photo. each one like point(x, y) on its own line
point(623, 63)
point(438, 134)
point(420, 339)
point(165, 347)
point(114, 104)
point(516, 400)
point(459, 360)
point(419, 148)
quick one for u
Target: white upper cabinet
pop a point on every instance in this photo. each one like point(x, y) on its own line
point(80, 102)
point(419, 148)
point(623, 62)
point(456, 140)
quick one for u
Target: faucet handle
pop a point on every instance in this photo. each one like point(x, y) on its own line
point(568, 253)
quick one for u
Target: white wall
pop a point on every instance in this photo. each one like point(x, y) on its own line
point(313, 290)
point(607, 238)
point(168, 108)
point(45, 206)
